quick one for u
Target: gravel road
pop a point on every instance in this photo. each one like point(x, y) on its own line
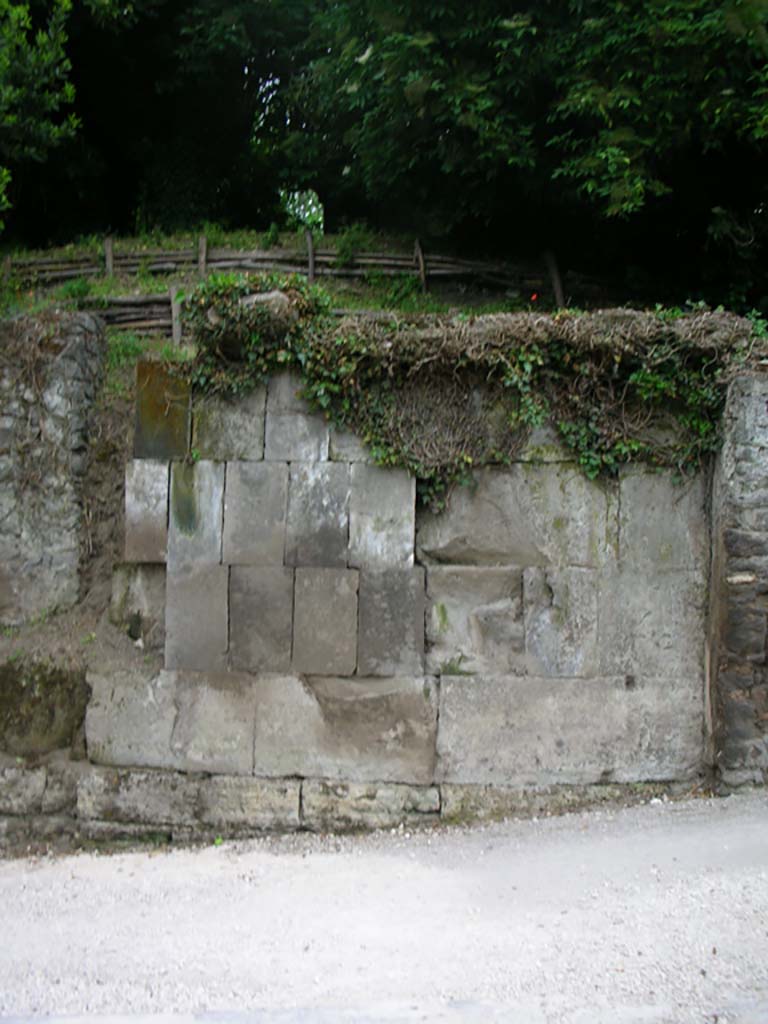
point(653, 914)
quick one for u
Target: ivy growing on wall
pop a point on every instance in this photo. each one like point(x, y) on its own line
point(443, 395)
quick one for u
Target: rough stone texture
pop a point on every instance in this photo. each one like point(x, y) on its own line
point(739, 586)
point(318, 515)
point(195, 520)
point(283, 393)
point(61, 781)
point(21, 790)
point(653, 625)
point(381, 517)
point(141, 797)
point(474, 620)
point(261, 618)
point(146, 511)
point(391, 627)
point(130, 718)
point(325, 621)
point(42, 706)
point(560, 608)
point(138, 602)
point(544, 445)
point(296, 436)
point(197, 618)
point(365, 730)
point(528, 731)
point(525, 515)
point(43, 453)
point(213, 730)
point(347, 447)
point(162, 413)
point(663, 525)
point(224, 429)
point(255, 510)
point(331, 806)
point(249, 805)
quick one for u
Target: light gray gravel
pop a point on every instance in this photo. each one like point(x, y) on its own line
point(653, 914)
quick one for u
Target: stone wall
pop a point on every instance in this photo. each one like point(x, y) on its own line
point(49, 372)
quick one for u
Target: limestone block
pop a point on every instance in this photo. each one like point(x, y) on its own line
point(62, 779)
point(333, 806)
point(653, 625)
point(249, 804)
point(162, 413)
point(21, 790)
point(527, 731)
point(354, 730)
point(138, 602)
point(143, 797)
point(662, 524)
point(228, 429)
point(195, 522)
point(213, 730)
point(283, 393)
point(325, 621)
point(318, 515)
point(197, 618)
point(560, 608)
point(347, 447)
point(381, 517)
point(129, 720)
point(261, 618)
point(524, 515)
point(474, 619)
point(255, 511)
point(391, 639)
point(543, 444)
point(296, 437)
point(146, 510)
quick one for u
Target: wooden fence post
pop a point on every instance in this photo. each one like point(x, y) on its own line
point(418, 255)
point(554, 277)
point(109, 256)
point(175, 315)
point(310, 256)
point(202, 255)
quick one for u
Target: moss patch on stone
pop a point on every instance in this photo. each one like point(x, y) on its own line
point(42, 706)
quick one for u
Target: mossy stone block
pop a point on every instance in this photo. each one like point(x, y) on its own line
point(162, 413)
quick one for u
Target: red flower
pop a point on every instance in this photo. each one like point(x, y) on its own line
point(534, 297)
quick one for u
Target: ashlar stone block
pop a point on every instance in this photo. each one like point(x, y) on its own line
point(474, 619)
point(138, 602)
point(663, 524)
point(318, 515)
point(255, 512)
point(196, 514)
point(146, 510)
point(347, 447)
point(296, 437)
point(560, 610)
point(351, 730)
point(391, 640)
point(162, 413)
point(196, 618)
point(284, 393)
point(141, 797)
point(229, 429)
point(249, 805)
point(261, 618)
point(214, 726)
point(382, 512)
point(325, 622)
point(330, 806)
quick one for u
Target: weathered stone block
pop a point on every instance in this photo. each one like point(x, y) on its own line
point(138, 602)
point(528, 731)
point(261, 618)
point(663, 525)
point(162, 413)
point(296, 437)
point(347, 447)
point(391, 640)
point(544, 445)
point(283, 393)
point(318, 515)
point(21, 790)
point(474, 620)
point(195, 523)
point(653, 625)
point(255, 511)
point(325, 621)
point(379, 730)
point(130, 719)
point(146, 510)
point(560, 608)
point(228, 429)
point(62, 779)
point(525, 515)
point(331, 806)
point(213, 730)
point(197, 618)
point(744, 633)
point(381, 517)
point(143, 797)
point(249, 804)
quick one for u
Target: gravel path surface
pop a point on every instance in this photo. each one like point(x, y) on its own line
point(654, 914)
